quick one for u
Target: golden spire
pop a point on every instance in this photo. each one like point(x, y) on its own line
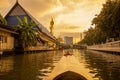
point(51, 26)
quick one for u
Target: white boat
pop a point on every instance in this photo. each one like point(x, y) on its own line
point(69, 68)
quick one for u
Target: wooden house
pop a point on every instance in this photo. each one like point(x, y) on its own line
point(48, 40)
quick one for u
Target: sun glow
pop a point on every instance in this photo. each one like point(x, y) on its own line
point(66, 13)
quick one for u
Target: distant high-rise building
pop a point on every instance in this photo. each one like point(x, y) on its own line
point(68, 40)
point(83, 35)
point(52, 26)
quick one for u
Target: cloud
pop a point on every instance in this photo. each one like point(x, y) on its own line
point(72, 27)
point(3, 3)
point(62, 28)
point(5, 6)
point(72, 12)
point(69, 15)
point(67, 28)
point(70, 34)
point(39, 6)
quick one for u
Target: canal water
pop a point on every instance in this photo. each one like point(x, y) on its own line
point(37, 66)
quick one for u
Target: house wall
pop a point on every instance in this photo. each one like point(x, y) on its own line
point(6, 41)
point(18, 10)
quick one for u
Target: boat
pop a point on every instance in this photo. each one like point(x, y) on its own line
point(69, 68)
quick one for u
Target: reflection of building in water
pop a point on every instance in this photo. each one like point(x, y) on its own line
point(6, 65)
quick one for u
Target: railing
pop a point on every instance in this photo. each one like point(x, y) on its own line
point(111, 46)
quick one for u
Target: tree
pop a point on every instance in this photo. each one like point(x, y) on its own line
point(107, 24)
point(2, 20)
point(28, 34)
point(94, 36)
point(108, 20)
point(116, 19)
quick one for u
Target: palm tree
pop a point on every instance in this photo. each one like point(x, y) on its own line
point(28, 34)
point(2, 20)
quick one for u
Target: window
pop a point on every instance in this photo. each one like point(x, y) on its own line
point(3, 39)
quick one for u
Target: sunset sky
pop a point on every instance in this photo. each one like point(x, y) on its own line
point(70, 16)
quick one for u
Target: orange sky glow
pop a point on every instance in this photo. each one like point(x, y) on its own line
point(70, 16)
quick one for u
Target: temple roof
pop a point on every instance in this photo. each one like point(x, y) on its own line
point(42, 28)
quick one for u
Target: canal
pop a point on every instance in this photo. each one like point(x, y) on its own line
point(36, 66)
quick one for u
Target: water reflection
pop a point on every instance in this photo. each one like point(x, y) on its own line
point(36, 66)
point(104, 66)
point(28, 66)
point(6, 65)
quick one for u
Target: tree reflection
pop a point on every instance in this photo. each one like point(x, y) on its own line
point(103, 65)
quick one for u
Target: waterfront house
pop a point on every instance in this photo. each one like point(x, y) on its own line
point(47, 41)
point(7, 38)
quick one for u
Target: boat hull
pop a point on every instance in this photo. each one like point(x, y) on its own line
point(69, 68)
point(69, 75)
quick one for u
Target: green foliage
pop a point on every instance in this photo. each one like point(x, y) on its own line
point(2, 20)
point(107, 24)
point(94, 36)
point(27, 33)
point(109, 19)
